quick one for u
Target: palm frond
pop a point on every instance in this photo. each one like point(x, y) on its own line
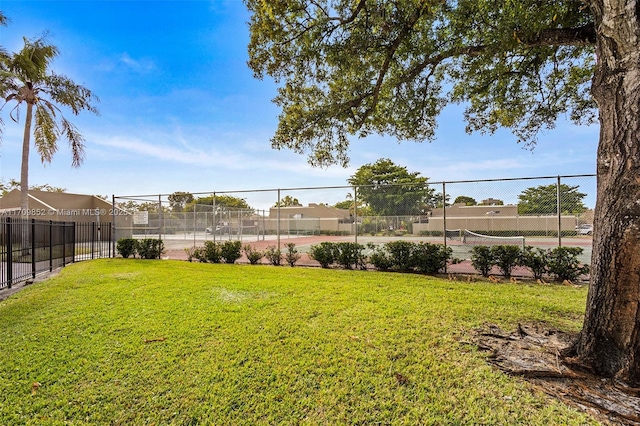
point(32, 62)
point(8, 84)
point(45, 132)
point(25, 77)
point(15, 110)
point(65, 92)
point(76, 142)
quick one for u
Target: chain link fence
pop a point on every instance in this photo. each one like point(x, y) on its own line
point(541, 211)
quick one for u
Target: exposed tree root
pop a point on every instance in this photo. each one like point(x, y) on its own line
point(539, 355)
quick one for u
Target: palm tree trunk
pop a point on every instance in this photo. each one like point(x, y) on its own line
point(24, 182)
point(24, 171)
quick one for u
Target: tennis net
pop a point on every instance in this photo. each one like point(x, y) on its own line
point(473, 238)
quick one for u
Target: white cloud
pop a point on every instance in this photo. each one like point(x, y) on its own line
point(203, 148)
point(158, 151)
point(140, 66)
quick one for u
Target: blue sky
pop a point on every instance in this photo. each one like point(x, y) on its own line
point(181, 111)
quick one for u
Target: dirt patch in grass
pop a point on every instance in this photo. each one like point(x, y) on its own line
point(537, 354)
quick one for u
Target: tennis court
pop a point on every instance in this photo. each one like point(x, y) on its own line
point(175, 246)
point(259, 217)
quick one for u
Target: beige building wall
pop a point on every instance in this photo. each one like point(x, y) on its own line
point(62, 206)
point(309, 225)
point(461, 210)
point(311, 211)
point(309, 219)
point(493, 219)
point(543, 224)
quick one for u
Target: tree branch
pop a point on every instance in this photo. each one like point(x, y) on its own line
point(354, 15)
point(578, 36)
point(391, 50)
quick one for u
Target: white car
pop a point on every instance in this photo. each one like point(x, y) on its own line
point(220, 229)
point(585, 229)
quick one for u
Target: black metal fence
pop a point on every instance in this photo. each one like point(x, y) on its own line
point(29, 247)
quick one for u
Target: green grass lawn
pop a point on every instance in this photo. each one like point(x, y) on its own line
point(121, 341)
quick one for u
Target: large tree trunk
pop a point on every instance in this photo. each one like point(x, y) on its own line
point(610, 339)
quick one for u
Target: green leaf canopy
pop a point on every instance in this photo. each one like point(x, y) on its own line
point(543, 199)
point(390, 190)
point(369, 66)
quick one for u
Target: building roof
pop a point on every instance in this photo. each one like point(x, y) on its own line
point(57, 205)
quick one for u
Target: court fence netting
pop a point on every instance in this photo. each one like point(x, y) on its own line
point(539, 211)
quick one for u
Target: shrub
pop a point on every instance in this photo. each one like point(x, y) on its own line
point(198, 254)
point(563, 263)
point(211, 252)
point(506, 257)
point(190, 251)
point(379, 258)
point(482, 259)
point(150, 248)
point(273, 255)
point(126, 247)
point(535, 260)
point(400, 253)
point(292, 255)
point(431, 258)
point(230, 251)
point(253, 255)
point(323, 253)
point(349, 255)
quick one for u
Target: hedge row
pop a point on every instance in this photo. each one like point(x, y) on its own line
point(230, 251)
point(402, 256)
point(216, 252)
point(148, 248)
point(561, 263)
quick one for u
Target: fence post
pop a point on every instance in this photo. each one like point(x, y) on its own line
point(278, 220)
point(93, 235)
point(109, 226)
point(559, 213)
point(355, 210)
point(444, 219)
point(50, 245)
point(64, 244)
point(112, 241)
point(112, 233)
point(73, 242)
point(160, 218)
point(214, 226)
point(33, 248)
point(9, 253)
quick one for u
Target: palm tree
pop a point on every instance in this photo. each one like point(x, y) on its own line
point(26, 79)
